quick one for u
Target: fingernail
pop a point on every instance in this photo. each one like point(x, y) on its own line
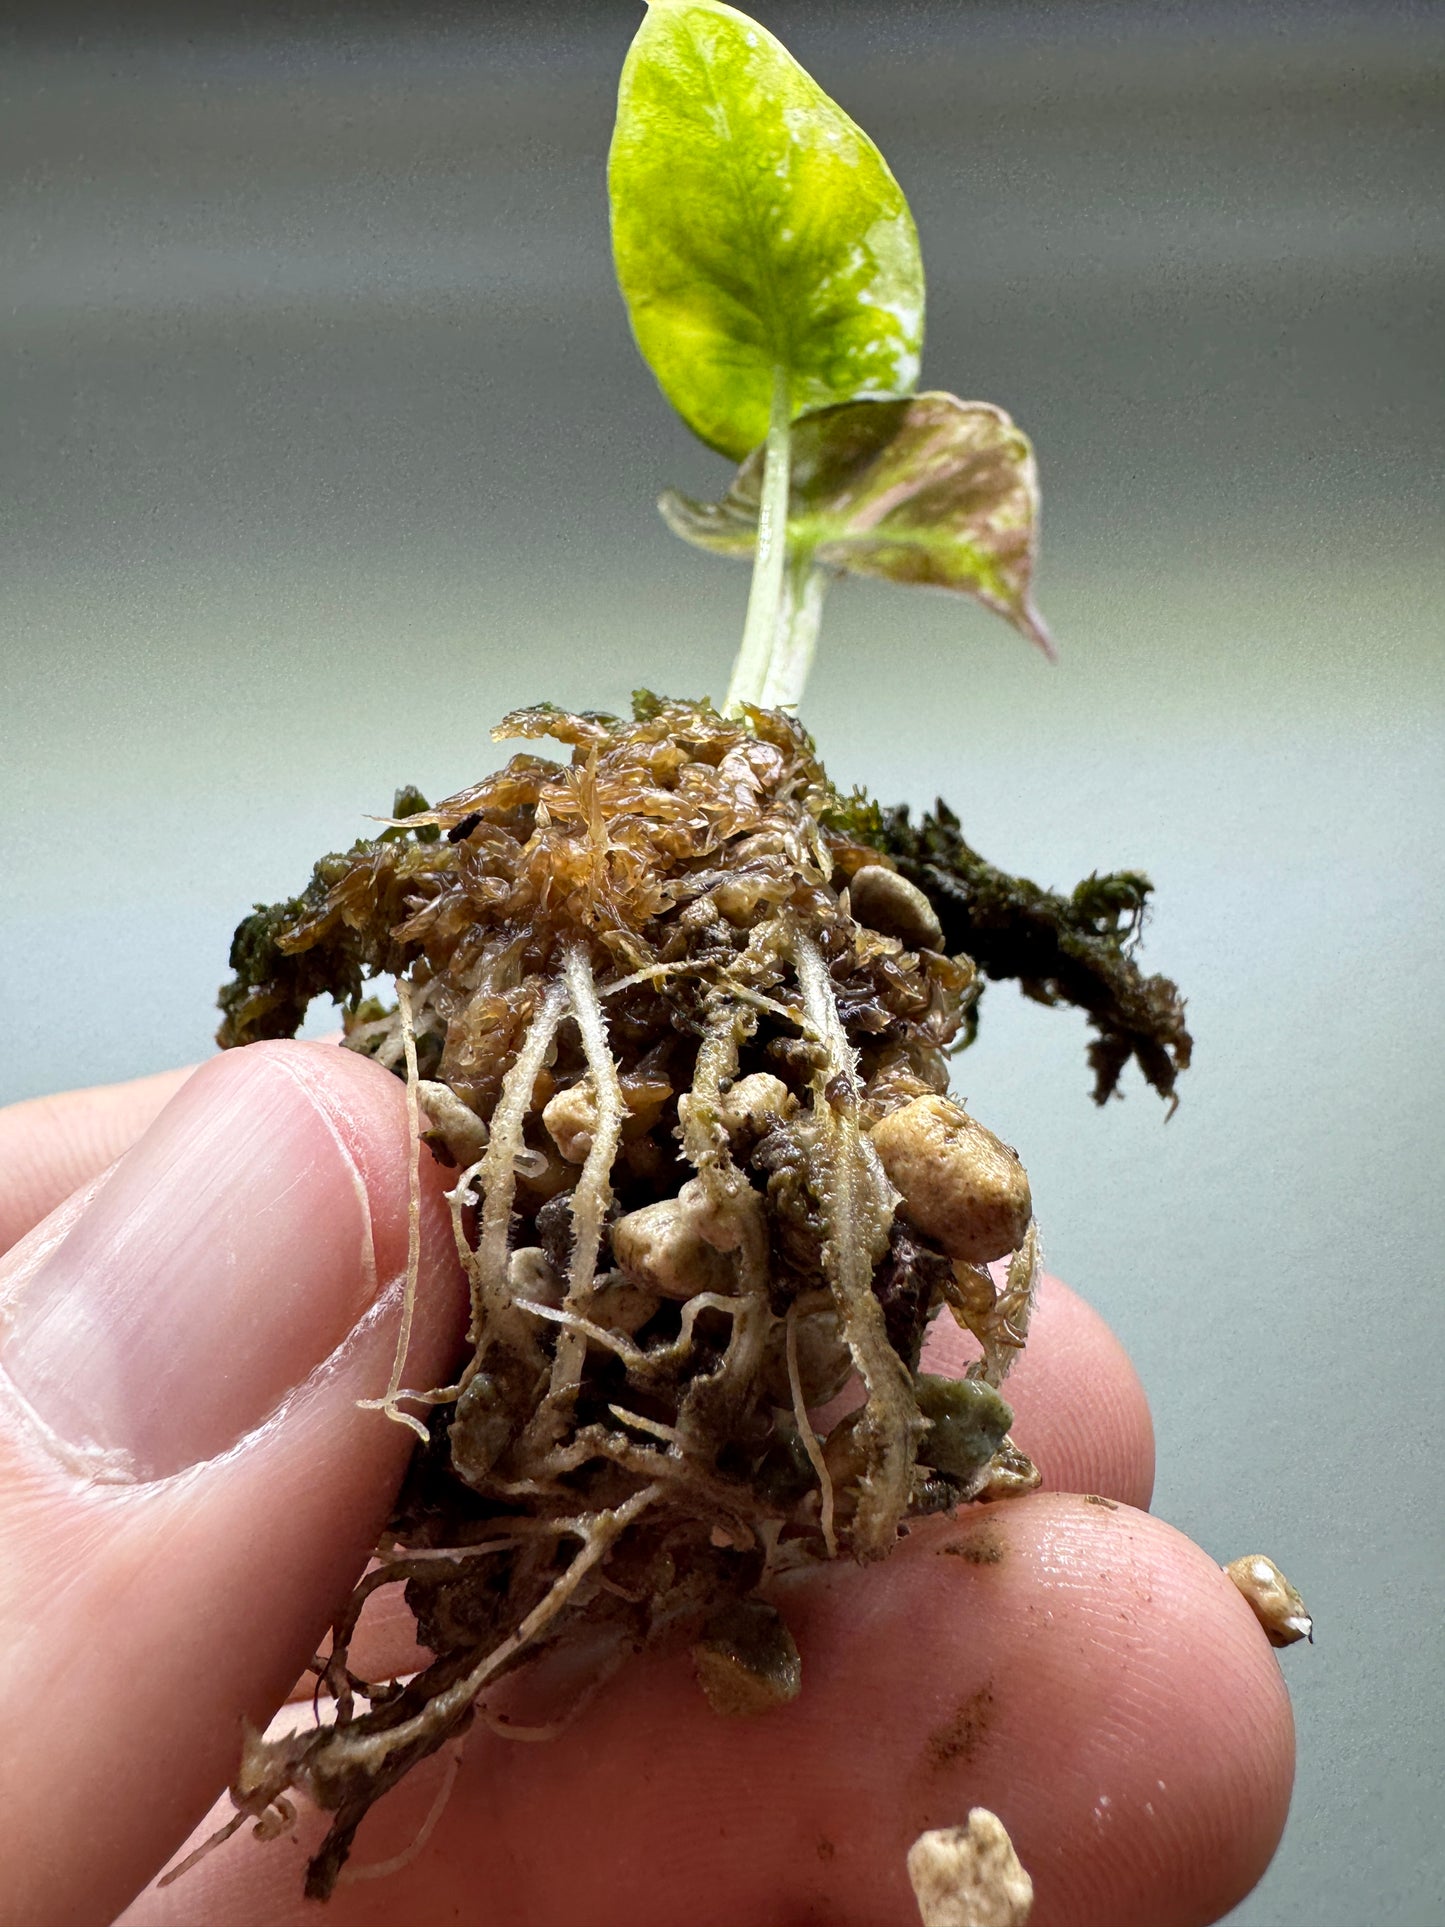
point(225, 1256)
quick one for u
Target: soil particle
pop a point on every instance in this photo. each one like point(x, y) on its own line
point(983, 1546)
point(958, 1738)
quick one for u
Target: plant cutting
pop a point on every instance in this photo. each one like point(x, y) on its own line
point(676, 1011)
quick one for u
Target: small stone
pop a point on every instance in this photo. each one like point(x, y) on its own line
point(967, 1423)
point(1008, 1475)
point(888, 902)
point(456, 1124)
point(755, 1104)
point(746, 1659)
point(963, 1187)
point(1273, 1600)
point(530, 1275)
point(620, 1305)
point(824, 1362)
point(662, 1248)
point(970, 1876)
point(571, 1120)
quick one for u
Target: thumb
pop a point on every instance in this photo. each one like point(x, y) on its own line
point(187, 1486)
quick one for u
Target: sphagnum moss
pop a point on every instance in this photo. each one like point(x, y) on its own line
point(675, 1014)
point(705, 1175)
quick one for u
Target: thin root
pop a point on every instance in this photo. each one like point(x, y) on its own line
point(810, 1439)
point(593, 1193)
point(498, 1168)
point(388, 1403)
point(207, 1846)
point(379, 1869)
point(858, 1206)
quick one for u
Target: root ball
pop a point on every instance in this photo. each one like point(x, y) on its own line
point(683, 1040)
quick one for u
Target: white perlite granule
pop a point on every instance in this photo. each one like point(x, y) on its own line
point(970, 1876)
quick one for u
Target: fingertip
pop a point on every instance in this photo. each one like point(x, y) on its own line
point(365, 1108)
point(1197, 1729)
point(50, 1146)
point(1083, 1670)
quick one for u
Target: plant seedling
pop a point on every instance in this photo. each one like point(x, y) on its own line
point(676, 1012)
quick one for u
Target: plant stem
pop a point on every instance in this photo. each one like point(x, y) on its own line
point(793, 658)
point(761, 629)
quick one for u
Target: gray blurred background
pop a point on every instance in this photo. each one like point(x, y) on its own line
point(324, 444)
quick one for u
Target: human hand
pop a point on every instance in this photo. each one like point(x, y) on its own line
point(205, 1317)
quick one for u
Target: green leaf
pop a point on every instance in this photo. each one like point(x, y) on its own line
point(757, 231)
point(931, 490)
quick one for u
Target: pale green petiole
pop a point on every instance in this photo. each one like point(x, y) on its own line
point(761, 628)
point(799, 618)
point(774, 284)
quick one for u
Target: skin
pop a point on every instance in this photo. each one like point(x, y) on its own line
point(1077, 1666)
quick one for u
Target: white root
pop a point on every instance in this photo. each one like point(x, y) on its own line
point(654, 973)
point(540, 1734)
point(497, 1171)
point(506, 1729)
point(388, 1402)
point(658, 1360)
point(593, 1193)
point(691, 1312)
point(1006, 1328)
point(679, 1473)
point(399, 1862)
point(333, 1668)
point(460, 1199)
point(858, 1206)
point(207, 1846)
point(598, 1532)
point(810, 1440)
point(704, 1138)
point(667, 1433)
point(590, 1198)
point(455, 1123)
point(574, 1323)
point(278, 1818)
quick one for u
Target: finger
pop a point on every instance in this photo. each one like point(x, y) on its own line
point(187, 1488)
point(1079, 1410)
point(1081, 1669)
point(50, 1146)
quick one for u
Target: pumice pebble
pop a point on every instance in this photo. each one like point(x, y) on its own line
point(970, 1876)
point(962, 1185)
point(1274, 1601)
